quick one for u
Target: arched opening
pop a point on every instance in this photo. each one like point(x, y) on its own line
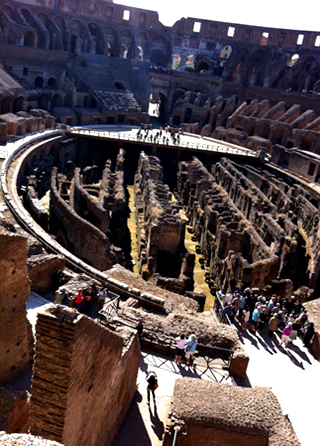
point(120, 85)
point(17, 104)
point(68, 102)
point(43, 102)
point(140, 53)
point(29, 39)
point(8, 11)
point(6, 106)
point(56, 101)
point(39, 82)
point(203, 67)
point(27, 16)
point(158, 58)
point(124, 51)
point(52, 83)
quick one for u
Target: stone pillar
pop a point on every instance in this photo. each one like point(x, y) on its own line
point(16, 340)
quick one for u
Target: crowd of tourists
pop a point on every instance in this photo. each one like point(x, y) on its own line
point(84, 299)
point(258, 313)
point(167, 135)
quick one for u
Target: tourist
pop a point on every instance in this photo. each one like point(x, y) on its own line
point(103, 294)
point(139, 329)
point(295, 330)
point(297, 308)
point(229, 311)
point(255, 319)
point(181, 342)
point(242, 307)
point(152, 380)
point(59, 296)
point(79, 300)
point(273, 325)
point(262, 320)
point(191, 348)
point(285, 334)
point(308, 334)
point(88, 298)
point(236, 302)
point(229, 297)
point(245, 318)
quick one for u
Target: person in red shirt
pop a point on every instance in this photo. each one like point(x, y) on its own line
point(78, 300)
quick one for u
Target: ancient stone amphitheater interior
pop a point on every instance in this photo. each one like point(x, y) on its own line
point(162, 164)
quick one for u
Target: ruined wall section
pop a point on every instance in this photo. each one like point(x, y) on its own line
point(160, 227)
point(207, 423)
point(76, 234)
point(120, 210)
point(95, 378)
point(16, 343)
point(88, 208)
point(235, 253)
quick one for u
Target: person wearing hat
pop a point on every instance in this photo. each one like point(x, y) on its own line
point(190, 348)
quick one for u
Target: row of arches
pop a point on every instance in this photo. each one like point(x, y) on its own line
point(22, 27)
point(289, 71)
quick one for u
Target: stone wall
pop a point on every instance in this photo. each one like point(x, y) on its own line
point(14, 410)
point(160, 227)
point(41, 268)
point(95, 378)
point(222, 414)
point(86, 207)
point(254, 227)
point(16, 344)
point(79, 236)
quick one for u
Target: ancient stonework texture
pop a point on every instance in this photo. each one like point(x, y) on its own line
point(84, 378)
point(16, 341)
point(41, 268)
point(14, 410)
point(25, 440)
point(226, 415)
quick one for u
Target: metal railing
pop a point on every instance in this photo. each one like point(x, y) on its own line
point(219, 312)
point(110, 307)
point(124, 136)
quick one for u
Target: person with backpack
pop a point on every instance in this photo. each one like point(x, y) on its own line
point(152, 381)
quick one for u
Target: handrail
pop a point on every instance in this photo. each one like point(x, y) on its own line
point(219, 311)
point(215, 147)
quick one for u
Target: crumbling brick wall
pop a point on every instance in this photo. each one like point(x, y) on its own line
point(82, 372)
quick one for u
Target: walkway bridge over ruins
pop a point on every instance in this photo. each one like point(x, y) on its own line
point(187, 141)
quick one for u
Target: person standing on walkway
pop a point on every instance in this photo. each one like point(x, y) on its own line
point(191, 348)
point(273, 325)
point(139, 329)
point(308, 334)
point(285, 334)
point(79, 300)
point(152, 381)
point(181, 342)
